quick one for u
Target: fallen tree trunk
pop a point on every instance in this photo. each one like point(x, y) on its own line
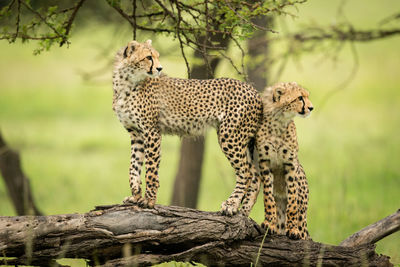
point(120, 235)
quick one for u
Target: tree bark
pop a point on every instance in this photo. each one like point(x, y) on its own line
point(187, 180)
point(374, 232)
point(258, 50)
point(17, 183)
point(121, 234)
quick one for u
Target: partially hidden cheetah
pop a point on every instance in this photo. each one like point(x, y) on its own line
point(149, 104)
point(285, 184)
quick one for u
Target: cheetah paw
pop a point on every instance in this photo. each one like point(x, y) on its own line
point(131, 200)
point(269, 227)
point(293, 233)
point(229, 208)
point(140, 201)
point(146, 203)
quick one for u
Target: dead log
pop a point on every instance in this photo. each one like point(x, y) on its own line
point(119, 235)
point(374, 232)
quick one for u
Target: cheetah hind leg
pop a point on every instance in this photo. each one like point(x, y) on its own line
point(252, 191)
point(236, 153)
point(243, 179)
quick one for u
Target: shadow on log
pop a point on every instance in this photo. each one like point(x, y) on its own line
point(120, 235)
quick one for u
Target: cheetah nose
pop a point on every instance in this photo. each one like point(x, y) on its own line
point(310, 108)
point(159, 69)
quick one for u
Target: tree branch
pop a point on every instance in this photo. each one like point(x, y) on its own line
point(70, 20)
point(121, 234)
point(42, 18)
point(374, 232)
point(338, 34)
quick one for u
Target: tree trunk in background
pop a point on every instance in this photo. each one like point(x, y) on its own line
point(258, 49)
point(187, 180)
point(16, 182)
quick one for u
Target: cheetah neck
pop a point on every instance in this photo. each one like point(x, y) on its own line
point(125, 79)
point(277, 122)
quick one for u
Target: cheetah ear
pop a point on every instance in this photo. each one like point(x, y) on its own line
point(130, 48)
point(148, 42)
point(126, 52)
point(278, 92)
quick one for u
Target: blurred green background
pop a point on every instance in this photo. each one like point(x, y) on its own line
point(76, 153)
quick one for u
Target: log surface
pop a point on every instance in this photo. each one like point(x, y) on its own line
point(119, 235)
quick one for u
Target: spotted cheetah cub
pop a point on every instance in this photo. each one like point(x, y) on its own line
point(285, 184)
point(149, 104)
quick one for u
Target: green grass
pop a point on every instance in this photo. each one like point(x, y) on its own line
point(77, 154)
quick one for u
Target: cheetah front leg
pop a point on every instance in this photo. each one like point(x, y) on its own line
point(292, 209)
point(270, 222)
point(137, 156)
point(303, 203)
point(152, 157)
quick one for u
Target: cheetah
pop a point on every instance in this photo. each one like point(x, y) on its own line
point(284, 179)
point(149, 104)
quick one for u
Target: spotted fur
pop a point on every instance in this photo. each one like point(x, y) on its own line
point(149, 104)
point(284, 179)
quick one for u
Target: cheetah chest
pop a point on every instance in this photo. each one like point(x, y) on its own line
point(129, 111)
point(279, 153)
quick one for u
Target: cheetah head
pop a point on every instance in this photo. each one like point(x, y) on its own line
point(142, 58)
point(290, 99)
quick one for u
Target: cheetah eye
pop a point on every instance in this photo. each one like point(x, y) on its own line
point(300, 98)
point(149, 57)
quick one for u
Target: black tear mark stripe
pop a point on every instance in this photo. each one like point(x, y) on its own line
point(151, 67)
point(303, 109)
point(125, 52)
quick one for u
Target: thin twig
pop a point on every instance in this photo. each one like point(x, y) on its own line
point(342, 86)
point(230, 61)
point(255, 26)
point(244, 73)
point(205, 41)
point(181, 44)
point(18, 19)
point(28, 37)
point(42, 19)
point(134, 19)
point(70, 20)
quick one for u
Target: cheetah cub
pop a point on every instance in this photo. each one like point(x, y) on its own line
point(285, 184)
point(149, 104)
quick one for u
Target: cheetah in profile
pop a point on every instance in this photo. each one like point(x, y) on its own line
point(149, 104)
point(285, 184)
